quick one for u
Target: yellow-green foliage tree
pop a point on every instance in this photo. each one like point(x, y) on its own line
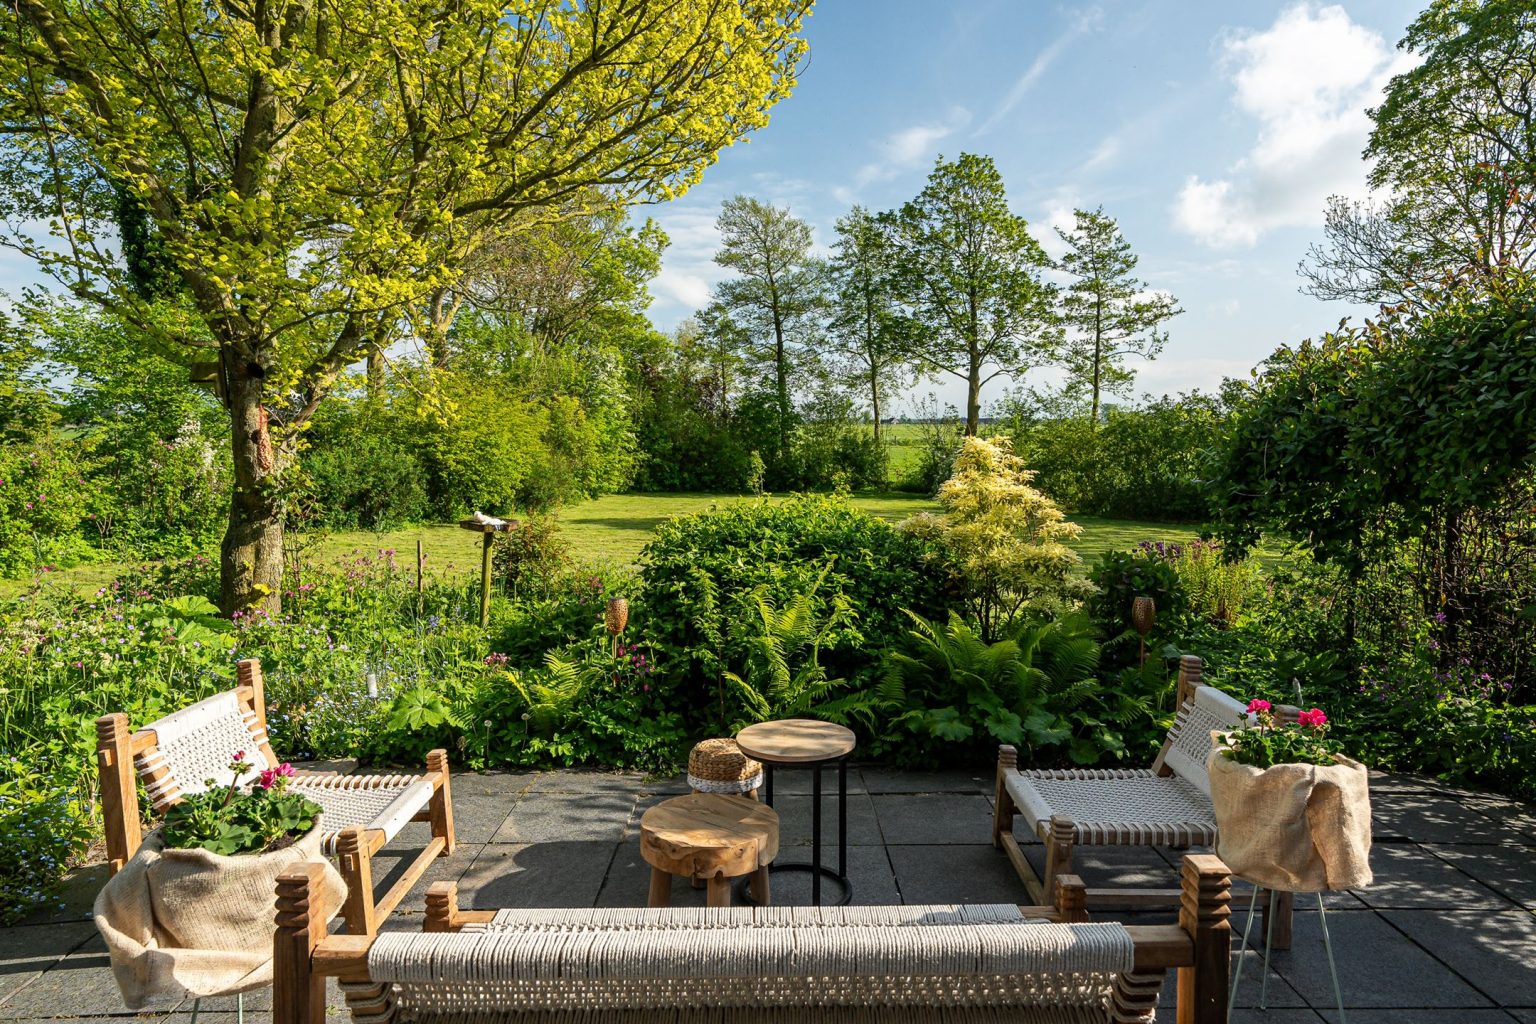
point(1005, 539)
point(308, 175)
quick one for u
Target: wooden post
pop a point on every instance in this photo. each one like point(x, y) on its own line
point(1058, 853)
point(1204, 909)
point(1071, 899)
point(441, 807)
point(487, 542)
point(298, 993)
point(1002, 803)
point(356, 863)
point(119, 796)
point(442, 907)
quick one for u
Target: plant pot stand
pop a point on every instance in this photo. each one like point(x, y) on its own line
point(1269, 937)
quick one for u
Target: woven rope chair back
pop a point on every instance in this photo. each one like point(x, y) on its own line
point(1190, 738)
point(773, 963)
point(194, 747)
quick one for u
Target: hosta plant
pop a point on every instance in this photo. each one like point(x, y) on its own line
point(229, 820)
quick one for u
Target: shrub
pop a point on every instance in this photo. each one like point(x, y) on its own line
point(364, 473)
point(530, 559)
point(1004, 540)
point(1214, 587)
point(44, 501)
point(46, 826)
point(1119, 577)
point(698, 570)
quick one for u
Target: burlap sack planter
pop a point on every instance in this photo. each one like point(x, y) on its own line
point(181, 923)
point(1293, 827)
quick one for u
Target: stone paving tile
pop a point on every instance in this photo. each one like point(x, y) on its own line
point(589, 783)
point(1507, 870)
point(476, 819)
point(788, 779)
point(506, 786)
point(869, 871)
point(1524, 1016)
point(1409, 877)
point(567, 817)
point(961, 818)
point(26, 951)
point(1251, 1015)
point(1378, 966)
point(1279, 994)
point(81, 980)
point(1517, 816)
point(555, 874)
point(954, 874)
point(795, 822)
point(1427, 818)
point(890, 780)
point(1492, 951)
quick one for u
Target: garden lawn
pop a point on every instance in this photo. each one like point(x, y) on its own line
point(611, 530)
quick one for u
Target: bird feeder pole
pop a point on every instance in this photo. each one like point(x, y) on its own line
point(487, 527)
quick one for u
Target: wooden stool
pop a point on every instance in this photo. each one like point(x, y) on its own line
point(709, 836)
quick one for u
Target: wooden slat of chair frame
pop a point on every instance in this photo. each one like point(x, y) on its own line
point(117, 746)
point(1060, 844)
point(1198, 947)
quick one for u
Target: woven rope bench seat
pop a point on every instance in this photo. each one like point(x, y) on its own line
point(1132, 807)
point(838, 1015)
point(383, 802)
point(927, 963)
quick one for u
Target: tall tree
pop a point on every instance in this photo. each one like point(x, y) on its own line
point(1453, 151)
point(775, 296)
point(971, 271)
point(868, 328)
point(1109, 314)
point(316, 171)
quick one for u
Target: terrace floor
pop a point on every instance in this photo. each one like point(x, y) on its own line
point(1446, 934)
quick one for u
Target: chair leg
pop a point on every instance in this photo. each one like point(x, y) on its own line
point(441, 807)
point(1058, 853)
point(1002, 804)
point(661, 889)
point(356, 862)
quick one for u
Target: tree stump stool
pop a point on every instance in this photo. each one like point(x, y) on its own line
point(709, 836)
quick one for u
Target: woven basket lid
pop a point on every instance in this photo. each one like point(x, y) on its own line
point(720, 760)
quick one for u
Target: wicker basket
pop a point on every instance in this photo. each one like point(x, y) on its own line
point(719, 766)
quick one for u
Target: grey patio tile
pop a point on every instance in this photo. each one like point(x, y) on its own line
point(1279, 995)
point(80, 981)
point(586, 783)
point(1513, 814)
point(1524, 1016)
point(1124, 867)
point(553, 874)
point(391, 862)
point(1408, 877)
point(1378, 966)
point(962, 818)
point(568, 817)
point(869, 871)
point(891, 780)
point(1494, 951)
point(628, 881)
point(795, 821)
point(1274, 1015)
point(797, 780)
point(666, 785)
point(954, 874)
point(476, 819)
point(1427, 818)
point(1406, 1016)
point(26, 951)
point(508, 785)
point(1507, 870)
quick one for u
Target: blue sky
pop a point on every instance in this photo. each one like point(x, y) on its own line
point(1213, 132)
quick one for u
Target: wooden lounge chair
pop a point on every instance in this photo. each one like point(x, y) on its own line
point(1168, 804)
point(362, 813)
point(763, 965)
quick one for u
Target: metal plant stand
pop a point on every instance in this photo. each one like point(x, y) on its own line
point(1269, 937)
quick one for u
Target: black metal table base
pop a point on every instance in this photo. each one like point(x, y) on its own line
point(816, 868)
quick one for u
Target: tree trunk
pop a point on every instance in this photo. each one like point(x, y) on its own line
point(781, 368)
point(375, 373)
point(973, 399)
point(874, 404)
point(251, 557)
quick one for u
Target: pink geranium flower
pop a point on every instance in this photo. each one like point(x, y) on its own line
point(1314, 718)
point(1257, 706)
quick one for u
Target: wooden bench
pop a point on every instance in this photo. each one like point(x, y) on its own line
point(635, 966)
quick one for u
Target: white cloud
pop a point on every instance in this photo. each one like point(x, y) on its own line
point(902, 150)
point(1085, 22)
point(1307, 81)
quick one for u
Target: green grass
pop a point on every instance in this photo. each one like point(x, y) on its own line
point(611, 530)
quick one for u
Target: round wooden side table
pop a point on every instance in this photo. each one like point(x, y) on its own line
point(710, 836)
point(807, 743)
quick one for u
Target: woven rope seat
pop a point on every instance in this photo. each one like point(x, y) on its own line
point(914, 963)
point(719, 766)
point(1135, 808)
point(194, 747)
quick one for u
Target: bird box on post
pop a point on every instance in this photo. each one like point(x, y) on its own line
point(487, 527)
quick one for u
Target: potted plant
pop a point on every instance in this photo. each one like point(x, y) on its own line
point(1292, 813)
point(191, 914)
